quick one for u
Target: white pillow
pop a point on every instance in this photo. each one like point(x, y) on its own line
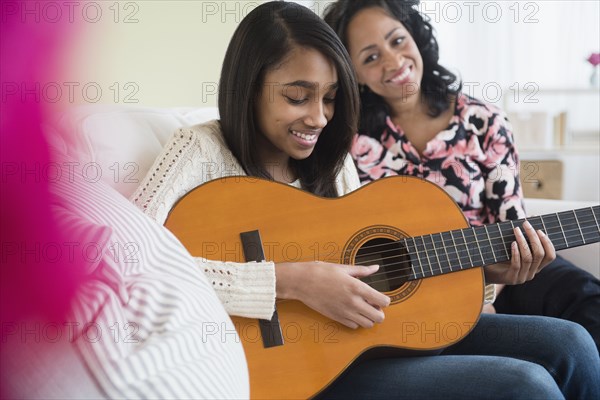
point(118, 144)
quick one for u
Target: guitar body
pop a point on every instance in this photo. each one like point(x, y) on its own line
point(425, 314)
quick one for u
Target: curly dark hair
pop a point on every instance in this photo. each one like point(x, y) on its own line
point(261, 41)
point(438, 86)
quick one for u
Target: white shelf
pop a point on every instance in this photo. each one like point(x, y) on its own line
point(553, 152)
point(544, 117)
point(550, 90)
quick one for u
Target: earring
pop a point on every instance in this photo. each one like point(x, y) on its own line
point(362, 88)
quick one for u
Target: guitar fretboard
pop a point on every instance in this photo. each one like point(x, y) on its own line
point(450, 251)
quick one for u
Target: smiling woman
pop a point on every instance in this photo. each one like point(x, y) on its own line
point(291, 115)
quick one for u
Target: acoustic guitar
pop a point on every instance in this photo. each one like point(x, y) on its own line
point(430, 265)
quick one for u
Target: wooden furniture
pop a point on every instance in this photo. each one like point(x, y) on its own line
point(542, 179)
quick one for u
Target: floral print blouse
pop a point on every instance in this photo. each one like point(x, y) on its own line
point(474, 159)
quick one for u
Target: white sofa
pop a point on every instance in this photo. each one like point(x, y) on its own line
point(121, 143)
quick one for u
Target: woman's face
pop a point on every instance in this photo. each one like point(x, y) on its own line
point(296, 102)
point(384, 54)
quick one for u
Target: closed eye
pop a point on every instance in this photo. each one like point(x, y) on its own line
point(295, 101)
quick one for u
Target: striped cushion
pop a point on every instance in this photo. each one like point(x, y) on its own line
point(155, 325)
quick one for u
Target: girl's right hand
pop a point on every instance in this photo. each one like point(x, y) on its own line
point(333, 290)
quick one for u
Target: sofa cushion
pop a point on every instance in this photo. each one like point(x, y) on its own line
point(118, 144)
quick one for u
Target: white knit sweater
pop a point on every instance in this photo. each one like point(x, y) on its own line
point(197, 155)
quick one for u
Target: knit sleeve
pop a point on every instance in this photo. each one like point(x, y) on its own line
point(246, 290)
point(192, 156)
point(347, 180)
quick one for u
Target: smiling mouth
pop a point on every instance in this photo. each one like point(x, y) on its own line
point(309, 137)
point(400, 77)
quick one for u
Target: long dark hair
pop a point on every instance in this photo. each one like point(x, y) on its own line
point(261, 41)
point(438, 85)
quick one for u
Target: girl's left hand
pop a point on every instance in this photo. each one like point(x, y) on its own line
point(526, 260)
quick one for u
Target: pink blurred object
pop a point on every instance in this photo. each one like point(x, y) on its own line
point(38, 278)
point(594, 59)
point(33, 283)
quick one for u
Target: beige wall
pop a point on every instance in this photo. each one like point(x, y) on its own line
point(156, 53)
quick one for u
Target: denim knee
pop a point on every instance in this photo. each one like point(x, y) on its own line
point(576, 344)
point(529, 381)
point(576, 365)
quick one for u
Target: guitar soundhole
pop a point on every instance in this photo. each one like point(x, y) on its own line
point(393, 260)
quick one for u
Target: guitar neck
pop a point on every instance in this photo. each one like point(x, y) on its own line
point(441, 253)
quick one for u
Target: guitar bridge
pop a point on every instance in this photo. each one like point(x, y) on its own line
point(270, 330)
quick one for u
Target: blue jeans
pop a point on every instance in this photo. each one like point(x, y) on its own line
point(504, 357)
point(560, 290)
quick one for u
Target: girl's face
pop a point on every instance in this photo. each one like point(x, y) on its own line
point(296, 102)
point(384, 54)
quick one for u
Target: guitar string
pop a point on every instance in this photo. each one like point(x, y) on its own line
point(506, 240)
point(428, 269)
point(404, 276)
point(573, 233)
point(556, 225)
point(426, 272)
point(485, 252)
point(432, 247)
